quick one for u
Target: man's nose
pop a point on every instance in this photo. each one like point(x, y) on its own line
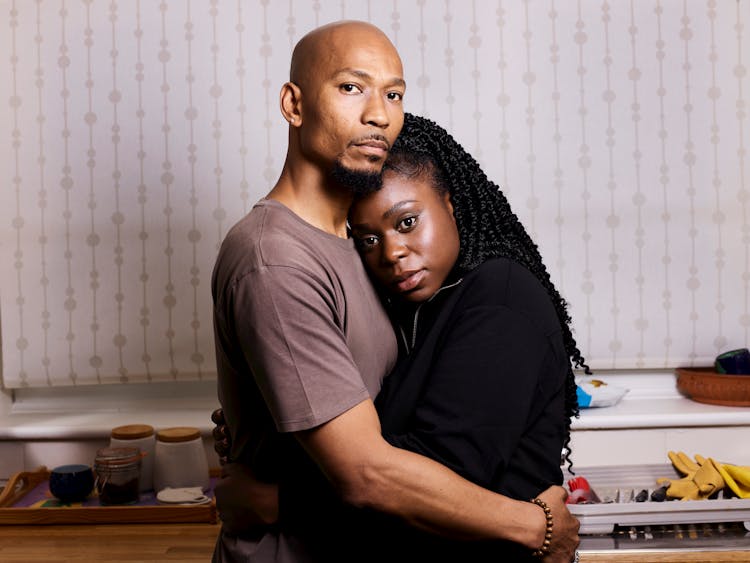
point(376, 112)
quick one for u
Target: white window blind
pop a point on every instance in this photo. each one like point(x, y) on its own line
point(136, 133)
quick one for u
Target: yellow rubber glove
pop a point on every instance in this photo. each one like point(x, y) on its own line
point(700, 481)
point(737, 478)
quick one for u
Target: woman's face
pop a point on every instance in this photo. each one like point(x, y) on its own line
point(406, 235)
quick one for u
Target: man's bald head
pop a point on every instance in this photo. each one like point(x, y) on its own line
point(323, 45)
point(343, 101)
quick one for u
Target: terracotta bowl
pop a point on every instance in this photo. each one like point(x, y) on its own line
point(704, 385)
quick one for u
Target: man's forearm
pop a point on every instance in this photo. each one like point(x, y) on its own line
point(434, 498)
point(371, 473)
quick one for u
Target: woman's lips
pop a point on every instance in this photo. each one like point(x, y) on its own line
point(409, 281)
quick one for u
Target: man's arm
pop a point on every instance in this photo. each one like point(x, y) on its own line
point(463, 510)
point(369, 472)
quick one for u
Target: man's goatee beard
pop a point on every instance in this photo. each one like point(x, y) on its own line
point(359, 182)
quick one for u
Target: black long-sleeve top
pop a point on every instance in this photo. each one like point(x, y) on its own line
point(482, 391)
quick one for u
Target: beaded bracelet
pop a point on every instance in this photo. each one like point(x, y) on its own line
point(545, 549)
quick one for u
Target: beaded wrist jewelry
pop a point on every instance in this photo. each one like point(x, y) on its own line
point(545, 549)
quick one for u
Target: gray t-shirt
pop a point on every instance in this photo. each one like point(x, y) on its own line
point(301, 337)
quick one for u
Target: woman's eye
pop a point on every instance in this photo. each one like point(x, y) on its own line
point(407, 223)
point(367, 242)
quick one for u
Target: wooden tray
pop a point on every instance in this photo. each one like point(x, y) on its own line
point(26, 500)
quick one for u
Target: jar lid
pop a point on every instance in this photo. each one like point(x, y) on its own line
point(178, 434)
point(132, 431)
point(115, 457)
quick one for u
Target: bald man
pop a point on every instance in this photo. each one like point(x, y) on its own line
point(303, 343)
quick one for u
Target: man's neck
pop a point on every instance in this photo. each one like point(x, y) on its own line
point(314, 199)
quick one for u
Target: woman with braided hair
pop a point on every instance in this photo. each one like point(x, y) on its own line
point(485, 385)
point(487, 227)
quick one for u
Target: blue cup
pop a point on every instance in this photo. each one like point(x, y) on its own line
point(734, 362)
point(71, 483)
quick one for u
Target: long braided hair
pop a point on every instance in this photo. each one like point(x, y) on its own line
point(487, 226)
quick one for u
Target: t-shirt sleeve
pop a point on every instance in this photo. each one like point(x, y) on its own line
point(291, 331)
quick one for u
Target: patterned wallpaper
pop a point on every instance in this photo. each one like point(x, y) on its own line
point(135, 132)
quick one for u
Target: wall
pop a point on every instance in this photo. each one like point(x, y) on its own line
point(137, 132)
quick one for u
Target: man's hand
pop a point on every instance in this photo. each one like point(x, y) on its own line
point(243, 501)
point(221, 436)
point(565, 538)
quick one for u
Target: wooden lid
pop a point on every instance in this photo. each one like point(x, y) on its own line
point(132, 431)
point(178, 434)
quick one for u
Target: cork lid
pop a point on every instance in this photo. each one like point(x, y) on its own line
point(132, 431)
point(178, 434)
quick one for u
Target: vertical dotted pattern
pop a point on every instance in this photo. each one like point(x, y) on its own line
point(580, 38)
point(21, 341)
point(690, 159)
point(663, 179)
point(119, 340)
point(641, 323)
point(93, 239)
point(529, 79)
point(43, 290)
point(138, 132)
point(67, 183)
point(556, 148)
point(142, 202)
point(740, 73)
point(242, 111)
point(613, 219)
point(714, 95)
point(503, 99)
point(169, 301)
point(195, 234)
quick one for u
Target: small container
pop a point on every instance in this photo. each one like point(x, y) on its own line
point(117, 475)
point(139, 436)
point(71, 483)
point(180, 459)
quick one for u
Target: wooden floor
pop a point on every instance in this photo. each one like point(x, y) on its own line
point(112, 543)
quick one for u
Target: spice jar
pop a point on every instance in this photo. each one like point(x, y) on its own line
point(139, 436)
point(117, 475)
point(180, 459)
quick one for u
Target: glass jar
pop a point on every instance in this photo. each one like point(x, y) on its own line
point(139, 436)
point(117, 475)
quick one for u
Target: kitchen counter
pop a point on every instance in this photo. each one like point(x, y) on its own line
point(145, 543)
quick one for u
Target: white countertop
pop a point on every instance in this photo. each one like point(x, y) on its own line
point(651, 402)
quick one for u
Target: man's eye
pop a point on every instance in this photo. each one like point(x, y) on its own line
point(395, 96)
point(350, 88)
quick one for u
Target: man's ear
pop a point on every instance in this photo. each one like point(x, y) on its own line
point(290, 101)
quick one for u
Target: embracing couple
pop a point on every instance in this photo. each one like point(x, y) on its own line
point(395, 365)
